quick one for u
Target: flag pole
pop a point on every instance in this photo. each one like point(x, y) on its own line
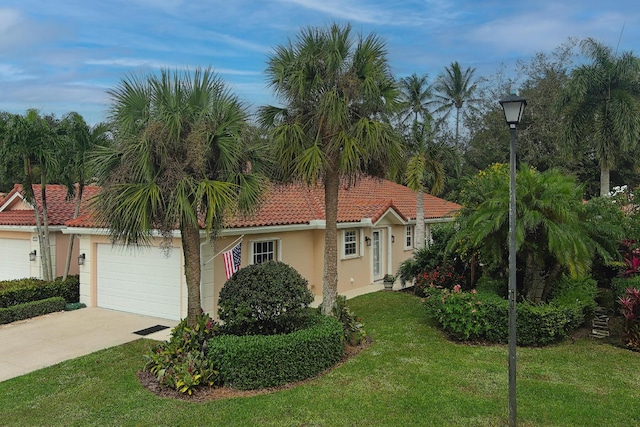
point(232, 244)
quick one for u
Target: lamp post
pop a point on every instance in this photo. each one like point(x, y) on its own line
point(513, 106)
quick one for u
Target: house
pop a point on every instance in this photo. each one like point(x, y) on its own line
point(19, 246)
point(376, 221)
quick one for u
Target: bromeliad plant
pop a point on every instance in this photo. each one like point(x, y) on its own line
point(630, 309)
point(182, 363)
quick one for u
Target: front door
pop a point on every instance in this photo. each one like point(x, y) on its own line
point(376, 255)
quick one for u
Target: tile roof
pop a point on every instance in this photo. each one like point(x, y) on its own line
point(60, 210)
point(294, 204)
point(368, 198)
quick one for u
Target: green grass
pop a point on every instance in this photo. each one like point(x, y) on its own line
point(410, 376)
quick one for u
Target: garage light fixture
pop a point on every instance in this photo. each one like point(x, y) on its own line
point(367, 240)
point(32, 255)
point(81, 259)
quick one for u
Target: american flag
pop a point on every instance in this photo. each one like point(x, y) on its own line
point(232, 260)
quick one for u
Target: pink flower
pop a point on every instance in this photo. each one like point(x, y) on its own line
point(473, 311)
point(473, 291)
point(456, 288)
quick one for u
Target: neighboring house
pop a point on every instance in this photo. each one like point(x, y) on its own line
point(19, 237)
point(375, 234)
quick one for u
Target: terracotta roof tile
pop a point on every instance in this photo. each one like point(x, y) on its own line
point(59, 208)
point(294, 204)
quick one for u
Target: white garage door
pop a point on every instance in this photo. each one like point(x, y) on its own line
point(14, 259)
point(140, 280)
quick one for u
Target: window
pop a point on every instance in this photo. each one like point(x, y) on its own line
point(408, 239)
point(350, 243)
point(265, 250)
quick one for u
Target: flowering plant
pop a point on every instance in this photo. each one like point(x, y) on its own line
point(443, 276)
point(458, 312)
point(630, 309)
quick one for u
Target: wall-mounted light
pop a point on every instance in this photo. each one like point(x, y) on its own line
point(32, 255)
point(367, 240)
point(81, 259)
point(393, 239)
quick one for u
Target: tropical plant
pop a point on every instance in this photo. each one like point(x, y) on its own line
point(630, 309)
point(78, 139)
point(415, 97)
point(29, 142)
point(178, 160)
point(453, 89)
point(335, 91)
point(555, 231)
point(601, 105)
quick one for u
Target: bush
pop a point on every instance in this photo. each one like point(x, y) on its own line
point(182, 362)
point(485, 315)
point(14, 292)
point(253, 362)
point(441, 276)
point(31, 309)
point(353, 328)
point(630, 309)
point(619, 285)
point(264, 299)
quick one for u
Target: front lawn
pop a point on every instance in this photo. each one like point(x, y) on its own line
point(410, 376)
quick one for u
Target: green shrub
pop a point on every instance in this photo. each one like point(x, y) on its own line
point(353, 328)
point(31, 309)
point(485, 315)
point(619, 285)
point(264, 299)
point(21, 291)
point(182, 362)
point(486, 284)
point(255, 361)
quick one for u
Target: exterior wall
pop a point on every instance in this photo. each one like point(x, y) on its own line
point(62, 243)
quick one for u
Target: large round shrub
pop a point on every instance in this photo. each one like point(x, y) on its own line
point(264, 299)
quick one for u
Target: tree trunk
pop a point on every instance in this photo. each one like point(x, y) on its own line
point(550, 280)
point(533, 280)
point(45, 233)
point(457, 127)
point(330, 271)
point(31, 198)
point(605, 183)
point(420, 237)
point(191, 252)
point(72, 237)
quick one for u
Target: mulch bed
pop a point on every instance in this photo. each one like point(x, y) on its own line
point(205, 394)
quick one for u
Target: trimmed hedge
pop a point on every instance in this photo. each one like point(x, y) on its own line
point(485, 315)
point(15, 292)
point(260, 361)
point(31, 309)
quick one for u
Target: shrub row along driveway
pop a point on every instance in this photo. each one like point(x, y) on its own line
point(43, 341)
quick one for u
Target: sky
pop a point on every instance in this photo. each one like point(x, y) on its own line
point(60, 56)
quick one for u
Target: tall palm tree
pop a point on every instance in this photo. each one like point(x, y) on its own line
point(178, 160)
point(454, 89)
point(425, 171)
point(77, 141)
point(335, 91)
point(601, 104)
point(29, 142)
point(415, 97)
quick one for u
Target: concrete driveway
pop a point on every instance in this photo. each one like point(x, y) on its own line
point(31, 344)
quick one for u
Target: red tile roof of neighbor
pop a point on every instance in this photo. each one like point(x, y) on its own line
point(298, 204)
point(60, 210)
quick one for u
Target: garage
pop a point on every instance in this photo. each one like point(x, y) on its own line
point(14, 259)
point(139, 280)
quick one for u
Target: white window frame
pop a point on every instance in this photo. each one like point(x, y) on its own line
point(277, 248)
point(409, 231)
point(355, 242)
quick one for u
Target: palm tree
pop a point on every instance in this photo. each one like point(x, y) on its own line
point(78, 139)
point(335, 91)
point(601, 104)
point(555, 231)
point(415, 95)
point(453, 89)
point(178, 160)
point(29, 142)
point(425, 170)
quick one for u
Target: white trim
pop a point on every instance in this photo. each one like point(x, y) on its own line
point(357, 240)
point(412, 230)
point(278, 248)
point(12, 198)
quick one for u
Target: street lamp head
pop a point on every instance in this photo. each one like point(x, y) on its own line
point(513, 106)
